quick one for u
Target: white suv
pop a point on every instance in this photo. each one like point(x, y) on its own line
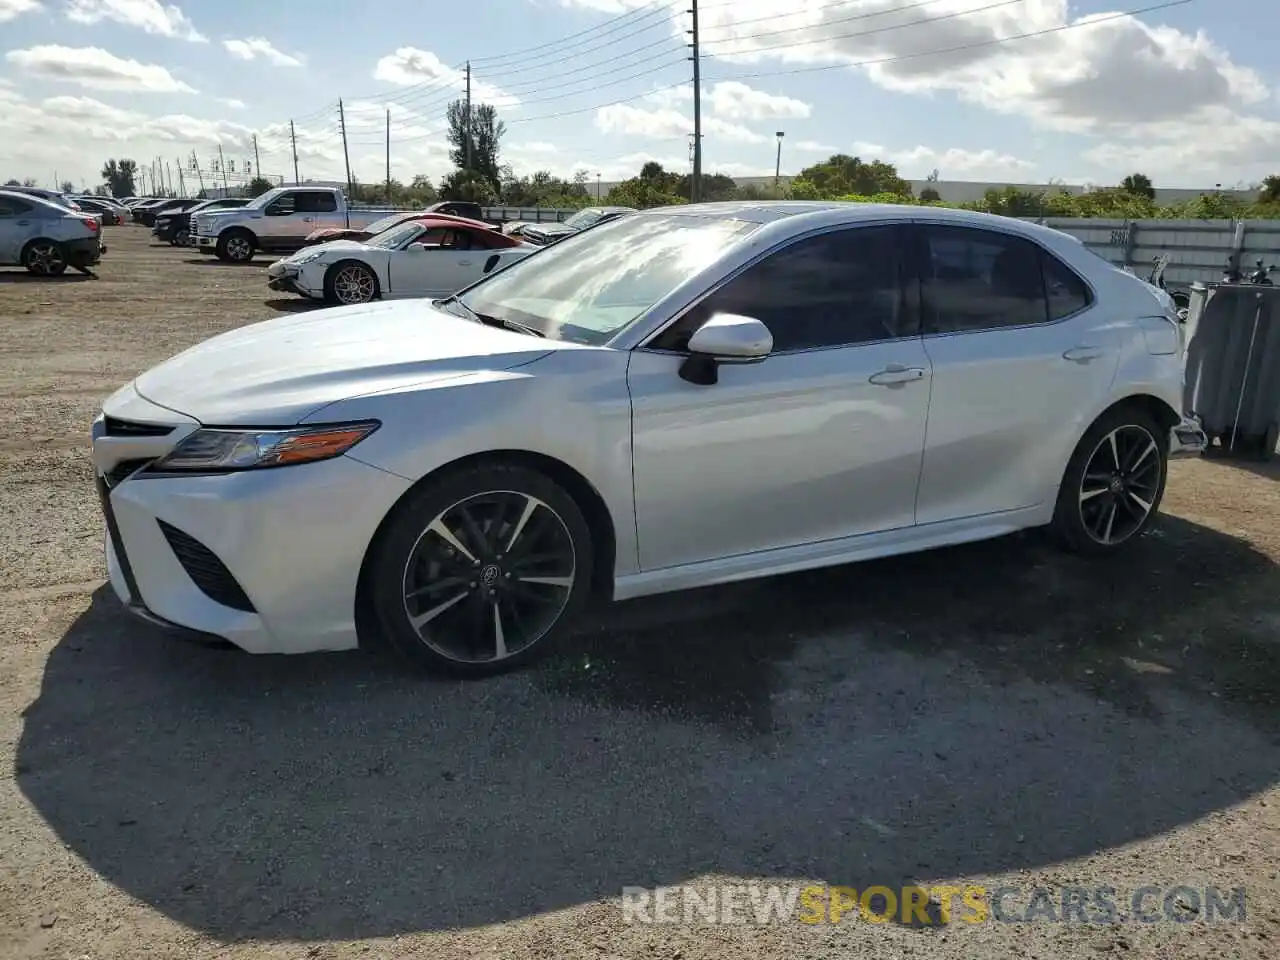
point(45, 237)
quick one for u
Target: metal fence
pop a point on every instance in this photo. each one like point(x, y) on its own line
point(1198, 250)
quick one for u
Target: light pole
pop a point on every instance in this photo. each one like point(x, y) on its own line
point(777, 167)
point(597, 187)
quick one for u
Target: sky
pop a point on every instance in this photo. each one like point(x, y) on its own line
point(1027, 91)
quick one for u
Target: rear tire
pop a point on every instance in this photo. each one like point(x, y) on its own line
point(44, 258)
point(1113, 483)
point(481, 570)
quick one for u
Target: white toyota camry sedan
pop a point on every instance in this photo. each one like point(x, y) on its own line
point(686, 396)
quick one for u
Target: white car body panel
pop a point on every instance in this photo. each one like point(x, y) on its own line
point(795, 461)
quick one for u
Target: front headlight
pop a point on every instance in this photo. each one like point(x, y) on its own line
point(306, 257)
point(222, 449)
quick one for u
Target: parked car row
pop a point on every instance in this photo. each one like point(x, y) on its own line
point(46, 236)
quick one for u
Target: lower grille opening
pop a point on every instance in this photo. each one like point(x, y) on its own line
point(114, 427)
point(206, 571)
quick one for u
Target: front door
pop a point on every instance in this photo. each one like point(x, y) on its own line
point(1020, 356)
point(436, 264)
point(18, 224)
point(821, 440)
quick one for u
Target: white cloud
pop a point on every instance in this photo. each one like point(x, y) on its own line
point(1139, 88)
point(953, 163)
point(667, 124)
point(409, 66)
point(150, 16)
point(232, 102)
point(811, 146)
point(737, 101)
point(96, 69)
point(251, 48)
point(536, 147)
point(11, 9)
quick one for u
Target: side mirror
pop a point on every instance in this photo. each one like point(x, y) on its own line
point(416, 247)
point(725, 338)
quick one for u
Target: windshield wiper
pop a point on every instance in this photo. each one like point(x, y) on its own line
point(491, 321)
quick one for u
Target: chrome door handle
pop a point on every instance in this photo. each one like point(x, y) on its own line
point(308, 219)
point(1082, 354)
point(895, 375)
point(24, 223)
point(464, 263)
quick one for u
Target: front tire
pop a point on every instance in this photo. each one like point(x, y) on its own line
point(482, 570)
point(1113, 484)
point(44, 258)
point(349, 282)
point(235, 246)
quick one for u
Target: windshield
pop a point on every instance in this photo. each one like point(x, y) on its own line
point(395, 237)
point(588, 287)
point(386, 223)
point(583, 219)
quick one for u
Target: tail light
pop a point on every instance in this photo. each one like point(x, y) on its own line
point(90, 222)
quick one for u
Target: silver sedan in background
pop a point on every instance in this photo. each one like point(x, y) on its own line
point(680, 397)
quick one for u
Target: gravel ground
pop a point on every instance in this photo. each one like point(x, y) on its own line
point(998, 714)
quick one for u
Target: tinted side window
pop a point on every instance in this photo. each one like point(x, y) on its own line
point(313, 202)
point(979, 280)
point(11, 207)
point(282, 205)
point(835, 289)
point(1064, 289)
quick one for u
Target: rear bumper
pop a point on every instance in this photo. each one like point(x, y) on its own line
point(84, 253)
point(1187, 439)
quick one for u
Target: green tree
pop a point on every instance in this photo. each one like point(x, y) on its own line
point(13, 183)
point(464, 185)
point(1270, 192)
point(841, 175)
point(258, 186)
point(120, 177)
point(421, 190)
point(484, 137)
point(30, 182)
point(1138, 184)
point(930, 195)
point(67, 187)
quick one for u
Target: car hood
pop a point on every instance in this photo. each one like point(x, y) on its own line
point(329, 246)
point(550, 229)
point(277, 372)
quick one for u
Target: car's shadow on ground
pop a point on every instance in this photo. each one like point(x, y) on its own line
point(24, 277)
point(293, 305)
point(972, 711)
point(215, 262)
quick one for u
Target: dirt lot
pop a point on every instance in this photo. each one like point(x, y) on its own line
point(998, 714)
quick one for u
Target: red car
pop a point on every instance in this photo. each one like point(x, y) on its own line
point(386, 223)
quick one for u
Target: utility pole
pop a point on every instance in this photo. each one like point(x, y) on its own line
point(470, 128)
point(342, 122)
point(222, 165)
point(293, 139)
point(695, 187)
point(257, 164)
point(777, 167)
point(182, 183)
point(195, 162)
point(169, 175)
point(388, 155)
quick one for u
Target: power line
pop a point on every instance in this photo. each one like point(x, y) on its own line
point(658, 7)
point(967, 46)
point(861, 33)
point(662, 41)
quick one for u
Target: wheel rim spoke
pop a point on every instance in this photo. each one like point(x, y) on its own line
point(1120, 485)
point(482, 550)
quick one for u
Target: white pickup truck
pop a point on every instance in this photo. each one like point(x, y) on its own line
point(277, 222)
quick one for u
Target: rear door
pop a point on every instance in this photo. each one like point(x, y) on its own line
point(18, 224)
point(1021, 352)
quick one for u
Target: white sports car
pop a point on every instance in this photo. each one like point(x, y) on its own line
point(421, 258)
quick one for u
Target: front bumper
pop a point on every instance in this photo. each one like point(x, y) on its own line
point(1187, 439)
point(289, 278)
point(292, 538)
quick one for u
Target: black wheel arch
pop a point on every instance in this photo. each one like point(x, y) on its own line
point(584, 494)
